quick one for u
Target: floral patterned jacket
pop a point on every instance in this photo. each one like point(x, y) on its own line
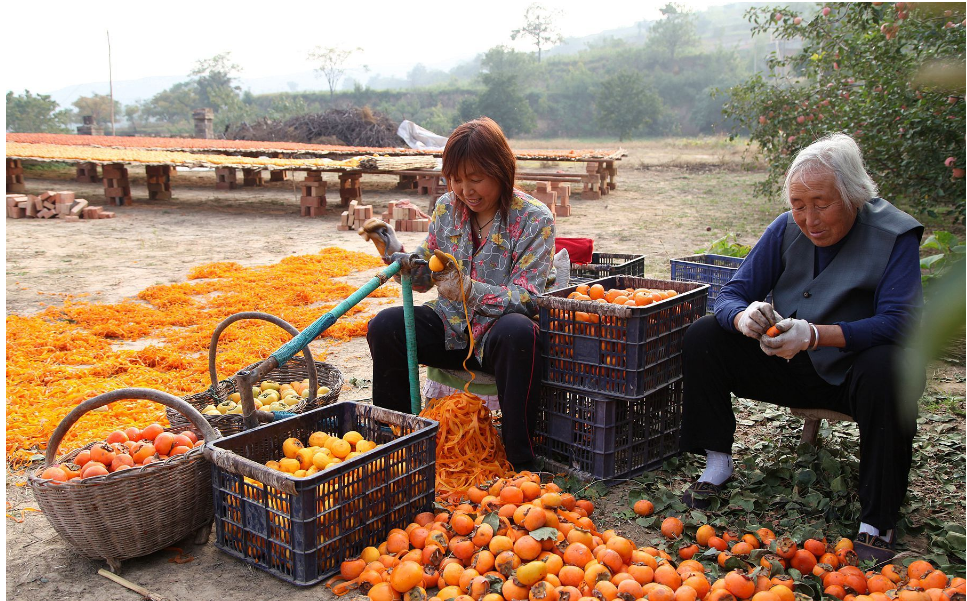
point(508, 270)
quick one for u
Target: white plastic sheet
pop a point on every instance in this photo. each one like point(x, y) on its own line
point(420, 138)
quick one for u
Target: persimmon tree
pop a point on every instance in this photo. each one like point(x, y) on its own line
point(889, 74)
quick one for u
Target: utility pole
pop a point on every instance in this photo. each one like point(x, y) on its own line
point(110, 80)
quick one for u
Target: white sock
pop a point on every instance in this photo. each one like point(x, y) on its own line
point(718, 467)
point(867, 529)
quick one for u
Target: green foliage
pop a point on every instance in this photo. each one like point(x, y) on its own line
point(503, 102)
point(214, 82)
point(41, 114)
point(804, 491)
point(728, 245)
point(949, 251)
point(97, 106)
point(673, 33)
point(539, 27)
point(626, 104)
point(861, 71)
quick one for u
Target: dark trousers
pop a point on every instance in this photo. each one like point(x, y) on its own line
point(512, 354)
point(717, 362)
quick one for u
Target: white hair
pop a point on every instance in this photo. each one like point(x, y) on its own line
point(840, 155)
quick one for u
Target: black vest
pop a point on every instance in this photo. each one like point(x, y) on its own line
point(845, 290)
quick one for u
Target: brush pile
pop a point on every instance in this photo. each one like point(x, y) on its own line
point(349, 127)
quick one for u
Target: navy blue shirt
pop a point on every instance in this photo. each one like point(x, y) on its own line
point(897, 300)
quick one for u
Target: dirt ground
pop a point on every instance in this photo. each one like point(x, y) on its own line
point(673, 198)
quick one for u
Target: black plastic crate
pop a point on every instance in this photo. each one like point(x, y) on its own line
point(608, 437)
point(623, 351)
point(607, 264)
point(303, 536)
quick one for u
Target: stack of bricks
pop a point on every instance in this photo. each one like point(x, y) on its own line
point(204, 123)
point(349, 187)
point(87, 173)
point(313, 200)
point(278, 175)
point(431, 184)
point(592, 183)
point(117, 188)
point(52, 204)
point(610, 171)
point(89, 128)
point(563, 206)
point(354, 216)
point(225, 178)
point(15, 176)
point(159, 181)
point(407, 219)
point(557, 197)
point(252, 178)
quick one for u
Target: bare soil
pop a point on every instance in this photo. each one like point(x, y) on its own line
point(673, 198)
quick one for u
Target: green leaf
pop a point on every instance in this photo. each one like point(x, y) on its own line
point(493, 519)
point(805, 478)
point(545, 533)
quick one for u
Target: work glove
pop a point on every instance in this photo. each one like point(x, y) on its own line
point(756, 319)
point(451, 283)
point(383, 236)
point(794, 336)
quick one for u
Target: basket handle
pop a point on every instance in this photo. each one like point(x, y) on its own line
point(127, 394)
point(306, 353)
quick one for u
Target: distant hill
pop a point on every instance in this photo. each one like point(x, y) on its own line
point(719, 26)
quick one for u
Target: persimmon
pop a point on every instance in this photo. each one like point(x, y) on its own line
point(164, 442)
point(54, 473)
point(772, 332)
point(116, 436)
point(103, 453)
point(667, 575)
point(94, 468)
point(766, 596)
point(119, 460)
point(918, 568)
point(527, 548)
point(596, 291)
point(804, 561)
point(149, 433)
point(686, 593)
point(577, 554)
point(83, 457)
point(739, 584)
point(672, 527)
point(687, 552)
point(181, 450)
point(644, 507)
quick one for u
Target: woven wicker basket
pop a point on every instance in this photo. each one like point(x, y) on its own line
point(295, 369)
point(133, 512)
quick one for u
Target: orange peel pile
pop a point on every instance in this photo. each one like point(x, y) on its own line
point(468, 449)
point(76, 350)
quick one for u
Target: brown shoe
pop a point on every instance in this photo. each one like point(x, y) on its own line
point(872, 547)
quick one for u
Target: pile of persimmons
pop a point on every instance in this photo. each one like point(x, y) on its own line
point(519, 539)
point(123, 449)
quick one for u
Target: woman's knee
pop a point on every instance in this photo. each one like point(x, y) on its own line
point(517, 331)
point(701, 334)
point(384, 325)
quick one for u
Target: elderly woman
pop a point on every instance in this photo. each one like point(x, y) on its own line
point(503, 243)
point(843, 269)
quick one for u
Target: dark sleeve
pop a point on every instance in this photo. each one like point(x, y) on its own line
point(897, 302)
point(755, 278)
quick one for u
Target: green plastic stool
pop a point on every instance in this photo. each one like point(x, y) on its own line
point(482, 385)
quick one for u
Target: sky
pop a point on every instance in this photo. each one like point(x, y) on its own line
point(52, 44)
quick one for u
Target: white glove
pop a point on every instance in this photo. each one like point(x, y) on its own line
point(756, 319)
point(450, 282)
point(794, 335)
